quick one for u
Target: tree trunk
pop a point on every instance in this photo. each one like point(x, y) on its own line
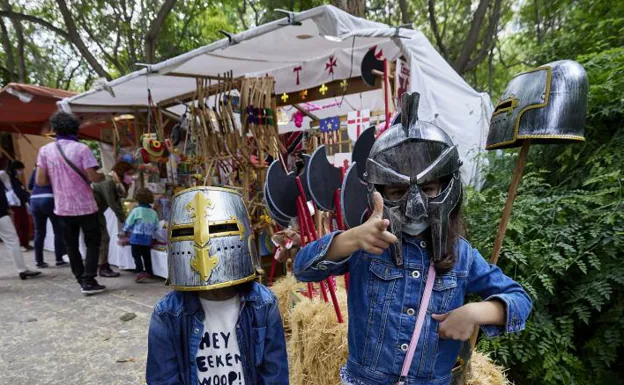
point(77, 41)
point(406, 18)
point(19, 34)
point(537, 23)
point(487, 40)
point(473, 36)
point(6, 44)
point(154, 30)
point(354, 7)
point(436, 31)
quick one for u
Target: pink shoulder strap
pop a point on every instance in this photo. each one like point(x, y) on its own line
point(422, 312)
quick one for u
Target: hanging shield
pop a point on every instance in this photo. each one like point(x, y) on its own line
point(370, 63)
point(353, 198)
point(281, 190)
point(303, 178)
point(279, 219)
point(323, 179)
point(361, 149)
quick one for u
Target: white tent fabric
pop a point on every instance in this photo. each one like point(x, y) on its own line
point(297, 56)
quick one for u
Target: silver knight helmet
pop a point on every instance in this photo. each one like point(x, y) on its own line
point(412, 153)
point(546, 105)
point(211, 241)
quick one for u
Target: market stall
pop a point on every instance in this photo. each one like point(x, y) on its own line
point(275, 112)
point(306, 53)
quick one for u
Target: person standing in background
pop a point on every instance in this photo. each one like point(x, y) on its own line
point(15, 171)
point(70, 167)
point(42, 207)
point(9, 237)
point(109, 194)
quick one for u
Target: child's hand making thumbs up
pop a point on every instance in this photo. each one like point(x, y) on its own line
point(372, 236)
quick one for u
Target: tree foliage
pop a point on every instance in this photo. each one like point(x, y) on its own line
point(107, 38)
point(566, 235)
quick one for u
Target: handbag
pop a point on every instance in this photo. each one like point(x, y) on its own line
point(72, 166)
point(12, 198)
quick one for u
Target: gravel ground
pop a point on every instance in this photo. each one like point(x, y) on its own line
point(52, 334)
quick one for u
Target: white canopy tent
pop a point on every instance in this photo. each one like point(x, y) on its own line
point(295, 51)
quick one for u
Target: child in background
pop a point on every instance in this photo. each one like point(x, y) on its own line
point(141, 224)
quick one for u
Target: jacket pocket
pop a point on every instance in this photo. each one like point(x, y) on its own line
point(443, 292)
point(382, 281)
point(259, 336)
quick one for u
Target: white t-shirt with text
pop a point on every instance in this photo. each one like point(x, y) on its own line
point(218, 357)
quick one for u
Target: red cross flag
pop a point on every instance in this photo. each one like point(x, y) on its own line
point(357, 122)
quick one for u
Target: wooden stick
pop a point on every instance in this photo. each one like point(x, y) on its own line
point(381, 74)
point(511, 196)
point(502, 227)
point(306, 112)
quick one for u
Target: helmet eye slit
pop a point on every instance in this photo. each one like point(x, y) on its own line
point(182, 232)
point(222, 228)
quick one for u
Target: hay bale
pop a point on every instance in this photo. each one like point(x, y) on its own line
point(283, 288)
point(318, 348)
point(318, 344)
point(485, 372)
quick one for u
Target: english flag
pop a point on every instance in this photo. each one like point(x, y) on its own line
point(357, 122)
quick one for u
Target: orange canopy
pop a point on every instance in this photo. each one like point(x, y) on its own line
point(26, 109)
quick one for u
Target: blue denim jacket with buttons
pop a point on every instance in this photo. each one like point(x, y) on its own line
point(177, 325)
point(383, 307)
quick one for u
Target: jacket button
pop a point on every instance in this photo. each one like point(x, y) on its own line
point(423, 244)
point(415, 274)
point(404, 347)
point(410, 311)
point(196, 331)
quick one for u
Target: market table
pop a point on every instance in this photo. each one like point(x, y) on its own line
point(119, 256)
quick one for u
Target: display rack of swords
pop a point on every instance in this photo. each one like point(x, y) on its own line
point(226, 149)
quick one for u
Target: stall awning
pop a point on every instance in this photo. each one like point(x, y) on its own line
point(305, 50)
point(26, 109)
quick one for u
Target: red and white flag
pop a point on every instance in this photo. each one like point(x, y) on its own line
point(357, 122)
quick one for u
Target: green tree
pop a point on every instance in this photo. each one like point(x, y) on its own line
point(566, 234)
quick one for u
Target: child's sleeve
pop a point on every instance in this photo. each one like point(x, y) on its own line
point(162, 365)
point(274, 368)
point(129, 222)
point(155, 223)
point(310, 264)
point(492, 284)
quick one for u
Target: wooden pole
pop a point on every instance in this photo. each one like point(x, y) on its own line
point(513, 188)
point(502, 227)
point(138, 120)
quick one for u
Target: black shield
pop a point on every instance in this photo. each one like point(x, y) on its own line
point(370, 63)
point(281, 191)
point(353, 198)
point(361, 149)
point(323, 179)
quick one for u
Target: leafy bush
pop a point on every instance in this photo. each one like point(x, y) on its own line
point(565, 243)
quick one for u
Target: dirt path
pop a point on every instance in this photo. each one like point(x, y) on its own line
point(51, 334)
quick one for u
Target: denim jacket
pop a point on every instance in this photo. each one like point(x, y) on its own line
point(384, 300)
point(177, 325)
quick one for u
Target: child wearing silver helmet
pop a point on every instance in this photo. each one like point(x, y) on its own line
point(219, 326)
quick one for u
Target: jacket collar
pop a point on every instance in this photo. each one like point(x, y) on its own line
point(192, 304)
